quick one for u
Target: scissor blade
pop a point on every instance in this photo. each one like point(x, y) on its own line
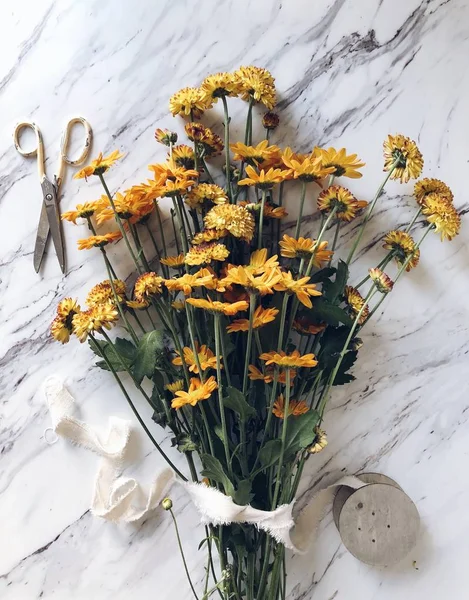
point(41, 238)
point(53, 216)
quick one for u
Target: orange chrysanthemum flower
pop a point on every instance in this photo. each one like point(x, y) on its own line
point(264, 180)
point(187, 282)
point(98, 241)
point(197, 391)
point(289, 361)
point(345, 165)
point(99, 165)
point(295, 407)
point(207, 358)
point(338, 197)
point(215, 306)
point(304, 248)
point(175, 262)
point(262, 316)
point(269, 375)
point(255, 155)
point(300, 287)
point(306, 168)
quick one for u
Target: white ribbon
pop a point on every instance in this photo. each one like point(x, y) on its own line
point(122, 499)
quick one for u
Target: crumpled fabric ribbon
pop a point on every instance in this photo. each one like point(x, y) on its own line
point(122, 499)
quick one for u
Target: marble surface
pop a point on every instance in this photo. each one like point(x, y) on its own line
point(347, 73)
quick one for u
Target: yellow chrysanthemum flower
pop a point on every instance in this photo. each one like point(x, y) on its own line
point(207, 358)
point(62, 326)
point(214, 306)
point(288, 361)
point(176, 386)
point(442, 215)
point(263, 180)
point(206, 194)
point(345, 165)
point(300, 287)
point(269, 374)
point(179, 305)
point(97, 318)
point(184, 156)
point(204, 254)
point(259, 263)
point(175, 262)
point(258, 84)
point(188, 101)
point(304, 248)
point(383, 282)
point(209, 235)
point(305, 168)
point(255, 155)
point(262, 284)
point(262, 316)
point(187, 282)
point(274, 212)
point(320, 442)
point(148, 285)
point(82, 211)
point(339, 197)
point(233, 218)
point(137, 304)
point(99, 165)
point(166, 137)
point(429, 186)
point(295, 407)
point(127, 205)
point(102, 292)
point(404, 151)
point(98, 241)
point(197, 391)
point(355, 303)
point(403, 246)
point(218, 85)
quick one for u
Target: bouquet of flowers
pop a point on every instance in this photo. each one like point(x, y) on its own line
point(236, 332)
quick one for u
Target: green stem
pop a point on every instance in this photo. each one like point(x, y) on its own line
point(227, 148)
point(182, 553)
point(330, 383)
point(416, 216)
point(134, 410)
point(220, 394)
point(119, 224)
point(369, 212)
point(252, 307)
point(400, 272)
point(300, 213)
point(261, 220)
point(284, 438)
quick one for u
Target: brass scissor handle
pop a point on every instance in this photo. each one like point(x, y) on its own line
point(38, 150)
point(63, 158)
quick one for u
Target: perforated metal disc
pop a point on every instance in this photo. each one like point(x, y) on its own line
point(379, 524)
point(344, 492)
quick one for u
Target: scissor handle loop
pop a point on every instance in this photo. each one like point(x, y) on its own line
point(38, 150)
point(66, 138)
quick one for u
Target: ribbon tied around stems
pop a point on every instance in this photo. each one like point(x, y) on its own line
point(122, 499)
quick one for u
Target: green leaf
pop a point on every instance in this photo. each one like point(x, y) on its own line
point(125, 348)
point(237, 402)
point(322, 275)
point(243, 494)
point(332, 290)
point(145, 360)
point(342, 376)
point(213, 469)
point(270, 453)
point(300, 431)
point(117, 361)
point(330, 313)
point(332, 342)
point(185, 443)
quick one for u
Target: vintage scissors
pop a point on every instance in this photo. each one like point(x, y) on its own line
point(49, 221)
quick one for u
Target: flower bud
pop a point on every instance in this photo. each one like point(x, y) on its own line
point(270, 120)
point(167, 504)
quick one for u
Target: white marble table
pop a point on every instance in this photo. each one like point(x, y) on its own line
point(348, 73)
